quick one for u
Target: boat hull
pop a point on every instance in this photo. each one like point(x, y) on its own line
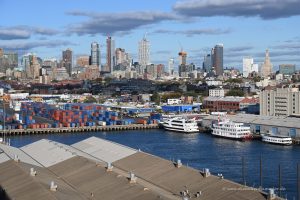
point(232, 138)
point(181, 131)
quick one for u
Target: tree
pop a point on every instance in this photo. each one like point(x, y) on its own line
point(235, 92)
point(155, 98)
point(90, 99)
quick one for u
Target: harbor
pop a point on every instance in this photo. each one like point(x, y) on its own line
point(201, 151)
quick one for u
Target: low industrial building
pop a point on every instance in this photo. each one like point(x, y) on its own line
point(99, 169)
point(231, 104)
point(286, 126)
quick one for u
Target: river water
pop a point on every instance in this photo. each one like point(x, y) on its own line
point(204, 151)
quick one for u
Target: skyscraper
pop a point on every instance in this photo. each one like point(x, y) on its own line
point(144, 52)
point(247, 66)
point(217, 59)
point(31, 66)
point(67, 60)
point(110, 54)
point(182, 57)
point(266, 68)
point(171, 67)
point(1, 52)
point(95, 55)
point(207, 63)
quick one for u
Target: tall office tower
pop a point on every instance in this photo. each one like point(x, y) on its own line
point(207, 63)
point(144, 52)
point(266, 68)
point(31, 66)
point(110, 54)
point(67, 60)
point(247, 66)
point(120, 56)
point(83, 61)
point(26, 60)
point(95, 54)
point(182, 57)
point(35, 67)
point(171, 67)
point(218, 59)
point(1, 52)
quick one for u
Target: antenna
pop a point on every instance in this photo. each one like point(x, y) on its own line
point(145, 35)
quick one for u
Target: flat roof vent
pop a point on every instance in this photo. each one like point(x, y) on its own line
point(16, 158)
point(178, 164)
point(132, 177)
point(109, 167)
point(32, 172)
point(53, 186)
point(206, 172)
point(271, 194)
point(220, 176)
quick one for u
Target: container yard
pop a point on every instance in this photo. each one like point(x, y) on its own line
point(38, 115)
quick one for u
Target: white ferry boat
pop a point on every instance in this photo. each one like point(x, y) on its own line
point(181, 124)
point(231, 130)
point(276, 139)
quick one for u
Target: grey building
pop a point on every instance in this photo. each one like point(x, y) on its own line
point(280, 102)
point(287, 69)
point(67, 59)
point(207, 63)
point(217, 59)
point(95, 54)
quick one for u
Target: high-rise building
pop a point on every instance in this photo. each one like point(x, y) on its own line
point(171, 67)
point(120, 56)
point(67, 56)
point(83, 61)
point(266, 68)
point(1, 52)
point(31, 66)
point(110, 54)
point(182, 57)
point(247, 66)
point(280, 102)
point(207, 63)
point(217, 59)
point(144, 52)
point(287, 69)
point(95, 54)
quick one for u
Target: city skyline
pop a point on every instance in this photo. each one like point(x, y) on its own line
point(239, 25)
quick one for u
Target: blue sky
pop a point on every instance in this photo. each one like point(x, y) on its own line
point(245, 27)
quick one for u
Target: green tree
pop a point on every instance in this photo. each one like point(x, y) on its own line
point(235, 92)
point(90, 99)
point(155, 98)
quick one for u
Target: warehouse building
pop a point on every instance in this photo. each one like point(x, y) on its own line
point(99, 169)
point(286, 126)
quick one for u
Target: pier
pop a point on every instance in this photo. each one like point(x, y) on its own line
point(12, 132)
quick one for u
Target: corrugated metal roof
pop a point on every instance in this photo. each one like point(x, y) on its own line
point(3, 157)
point(87, 178)
point(12, 151)
point(164, 174)
point(228, 98)
point(47, 153)
point(103, 149)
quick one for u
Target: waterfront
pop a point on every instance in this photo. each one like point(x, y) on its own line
point(203, 151)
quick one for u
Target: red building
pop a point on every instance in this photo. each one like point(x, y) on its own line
point(227, 104)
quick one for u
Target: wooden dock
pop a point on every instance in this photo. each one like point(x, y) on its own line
point(13, 132)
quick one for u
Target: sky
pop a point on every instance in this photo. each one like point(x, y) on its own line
point(244, 27)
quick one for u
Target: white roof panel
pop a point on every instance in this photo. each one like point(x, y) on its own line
point(48, 152)
point(104, 150)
